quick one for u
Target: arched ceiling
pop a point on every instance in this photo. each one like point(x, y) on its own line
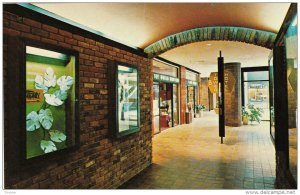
point(141, 24)
point(202, 56)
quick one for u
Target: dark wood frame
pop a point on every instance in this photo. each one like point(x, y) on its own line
point(17, 75)
point(113, 100)
point(281, 99)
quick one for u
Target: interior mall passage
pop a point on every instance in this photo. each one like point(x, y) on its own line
point(105, 105)
point(191, 157)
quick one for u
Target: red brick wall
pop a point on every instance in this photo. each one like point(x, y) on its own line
point(100, 162)
point(182, 94)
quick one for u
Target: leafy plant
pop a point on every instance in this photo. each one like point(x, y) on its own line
point(245, 113)
point(200, 107)
point(255, 113)
point(43, 119)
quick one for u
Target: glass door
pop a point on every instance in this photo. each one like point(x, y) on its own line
point(165, 105)
point(156, 107)
point(175, 105)
point(191, 99)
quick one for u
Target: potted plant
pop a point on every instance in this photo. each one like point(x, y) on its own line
point(255, 113)
point(200, 108)
point(245, 116)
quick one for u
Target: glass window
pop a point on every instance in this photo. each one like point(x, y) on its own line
point(272, 109)
point(291, 40)
point(50, 101)
point(175, 105)
point(256, 75)
point(127, 98)
point(156, 107)
point(191, 76)
point(257, 94)
point(165, 69)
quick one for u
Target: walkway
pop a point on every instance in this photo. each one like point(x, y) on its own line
point(191, 157)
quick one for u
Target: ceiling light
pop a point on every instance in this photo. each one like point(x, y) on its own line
point(208, 44)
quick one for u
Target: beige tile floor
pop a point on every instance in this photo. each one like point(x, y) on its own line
point(191, 157)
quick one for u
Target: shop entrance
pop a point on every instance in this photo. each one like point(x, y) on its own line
point(165, 104)
point(191, 99)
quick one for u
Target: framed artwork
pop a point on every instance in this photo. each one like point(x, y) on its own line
point(51, 96)
point(124, 98)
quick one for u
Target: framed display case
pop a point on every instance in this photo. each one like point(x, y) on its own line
point(50, 100)
point(47, 92)
point(124, 98)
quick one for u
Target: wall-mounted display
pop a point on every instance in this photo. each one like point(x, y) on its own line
point(124, 99)
point(51, 94)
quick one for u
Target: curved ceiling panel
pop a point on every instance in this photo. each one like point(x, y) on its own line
point(219, 33)
point(141, 24)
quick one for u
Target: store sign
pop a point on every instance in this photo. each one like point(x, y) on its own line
point(213, 82)
point(229, 81)
point(191, 83)
point(34, 96)
point(165, 78)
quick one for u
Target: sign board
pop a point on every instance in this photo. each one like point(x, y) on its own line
point(165, 78)
point(34, 96)
point(191, 83)
point(213, 82)
point(229, 81)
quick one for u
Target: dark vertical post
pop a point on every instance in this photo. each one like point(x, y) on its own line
point(221, 97)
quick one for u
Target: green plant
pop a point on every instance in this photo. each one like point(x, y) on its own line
point(255, 113)
point(245, 113)
point(200, 107)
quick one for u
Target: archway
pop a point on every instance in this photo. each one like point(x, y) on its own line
point(221, 33)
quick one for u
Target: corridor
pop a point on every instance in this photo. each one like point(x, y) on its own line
point(191, 157)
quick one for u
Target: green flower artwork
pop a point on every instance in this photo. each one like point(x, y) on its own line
point(46, 121)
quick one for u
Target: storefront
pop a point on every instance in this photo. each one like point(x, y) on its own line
point(283, 63)
point(165, 96)
point(192, 92)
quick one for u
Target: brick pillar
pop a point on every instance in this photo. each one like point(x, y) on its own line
point(182, 94)
point(204, 92)
point(233, 100)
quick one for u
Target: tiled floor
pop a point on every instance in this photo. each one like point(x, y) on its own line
point(191, 157)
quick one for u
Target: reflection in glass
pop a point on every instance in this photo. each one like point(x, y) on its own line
point(127, 98)
point(156, 107)
point(165, 119)
point(272, 109)
point(290, 41)
point(191, 99)
point(164, 69)
point(175, 106)
point(256, 75)
point(257, 94)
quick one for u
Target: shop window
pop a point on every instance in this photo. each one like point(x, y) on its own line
point(291, 40)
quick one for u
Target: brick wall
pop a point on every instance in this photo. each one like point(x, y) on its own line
point(233, 102)
point(204, 92)
point(182, 94)
point(100, 162)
